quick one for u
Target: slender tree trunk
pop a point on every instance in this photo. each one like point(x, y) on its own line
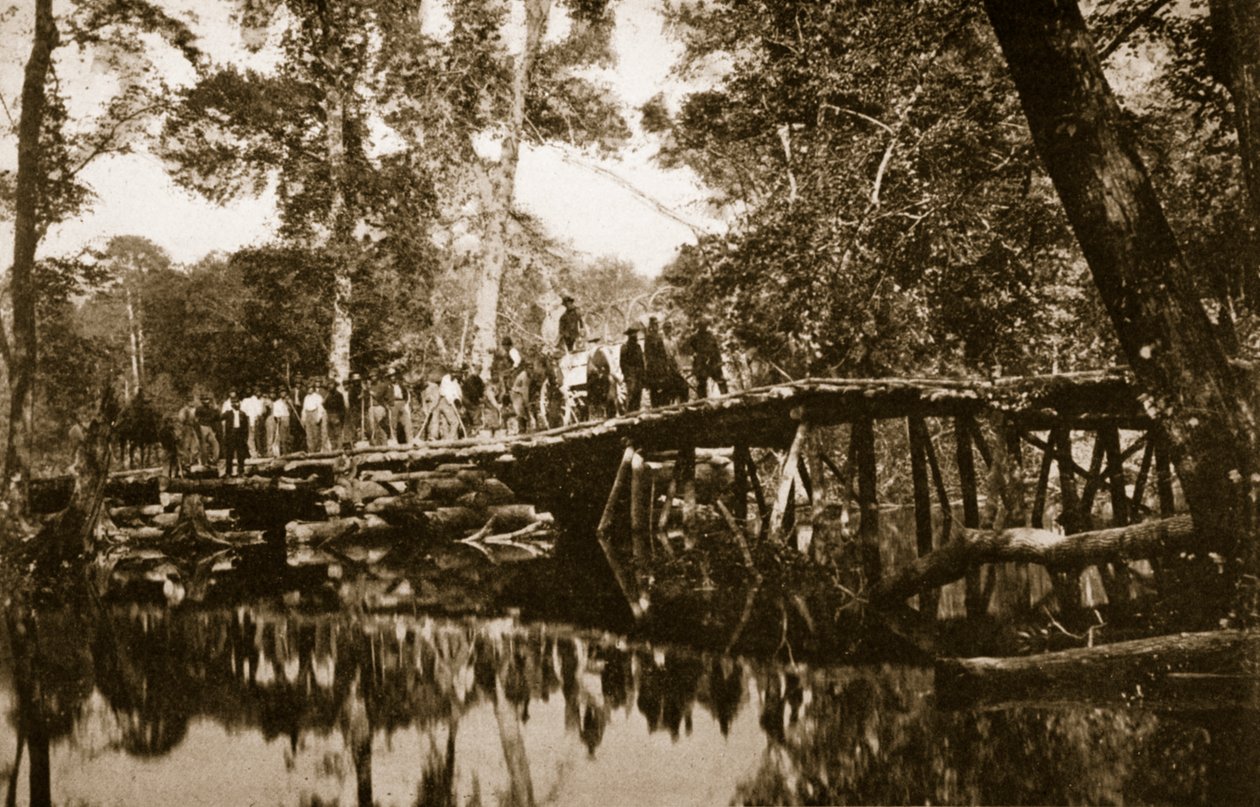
point(1142, 277)
point(26, 237)
point(498, 185)
point(339, 238)
point(133, 342)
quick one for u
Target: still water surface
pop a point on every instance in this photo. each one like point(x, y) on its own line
point(260, 706)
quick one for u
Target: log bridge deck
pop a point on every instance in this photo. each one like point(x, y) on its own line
point(648, 460)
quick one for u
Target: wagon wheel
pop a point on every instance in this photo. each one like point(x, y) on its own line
point(551, 407)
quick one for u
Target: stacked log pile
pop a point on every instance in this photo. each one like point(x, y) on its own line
point(451, 502)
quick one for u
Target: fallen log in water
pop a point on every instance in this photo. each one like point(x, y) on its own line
point(1132, 668)
point(971, 547)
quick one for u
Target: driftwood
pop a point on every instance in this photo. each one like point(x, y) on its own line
point(1131, 668)
point(193, 527)
point(972, 547)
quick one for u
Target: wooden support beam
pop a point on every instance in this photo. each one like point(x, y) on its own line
point(633, 600)
point(640, 516)
point(1043, 486)
point(938, 482)
point(1067, 582)
point(974, 597)
point(1110, 437)
point(1164, 477)
point(1116, 577)
point(685, 470)
point(739, 505)
point(787, 484)
point(754, 480)
point(862, 451)
point(1093, 481)
point(917, 432)
point(977, 436)
point(662, 523)
point(1144, 473)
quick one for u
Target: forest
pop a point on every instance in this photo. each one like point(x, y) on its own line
point(938, 195)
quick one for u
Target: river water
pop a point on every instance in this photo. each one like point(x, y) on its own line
point(262, 705)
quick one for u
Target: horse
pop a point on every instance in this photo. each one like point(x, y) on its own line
point(141, 429)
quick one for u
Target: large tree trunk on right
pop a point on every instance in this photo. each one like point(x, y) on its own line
point(1236, 64)
point(26, 235)
point(498, 183)
point(1142, 278)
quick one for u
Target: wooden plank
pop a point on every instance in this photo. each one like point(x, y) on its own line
point(938, 482)
point(1110, 438)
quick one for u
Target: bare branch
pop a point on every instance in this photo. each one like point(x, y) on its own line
point(1139, 19)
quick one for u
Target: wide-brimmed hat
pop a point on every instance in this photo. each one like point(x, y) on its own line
point(633, 329)
point(566, 298)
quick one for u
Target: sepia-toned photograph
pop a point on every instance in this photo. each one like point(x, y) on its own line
point(516, 403)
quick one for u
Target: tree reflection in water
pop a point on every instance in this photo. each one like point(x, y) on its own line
point(347, 695)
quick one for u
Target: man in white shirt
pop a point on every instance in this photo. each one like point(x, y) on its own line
point(278, 425)
point(313, 419)
point(252, 407)
point(399, 409)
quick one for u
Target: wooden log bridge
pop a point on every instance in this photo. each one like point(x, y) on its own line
point(638, 483)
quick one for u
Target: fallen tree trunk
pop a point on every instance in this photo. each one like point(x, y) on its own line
point(971, 548)
point(1119, 668)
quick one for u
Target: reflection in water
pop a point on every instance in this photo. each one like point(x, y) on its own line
point(254, 706)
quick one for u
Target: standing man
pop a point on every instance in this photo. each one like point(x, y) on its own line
point(399, 409)
point(677, 388)
point(656, 362)
point(571, 325)
point(278, 424)
point(379, 395)
point(632, 368)
point(235, 435)
point(706, 360)
point(253, 409)
point(520, 399)
point(190, 433)
point(207, 428)
point(335, 416)
point(313, 419)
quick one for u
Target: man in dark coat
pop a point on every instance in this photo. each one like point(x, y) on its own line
point(235, 435)
point(632, 368)
point(571, 325)
point(706, 360)
point(660, 369)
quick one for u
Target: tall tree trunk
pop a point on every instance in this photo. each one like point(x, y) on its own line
point(1142, 277)
point(133, 342)
point(497, 190)
point(1236, 65)
point(339, 236)
point(26, 235)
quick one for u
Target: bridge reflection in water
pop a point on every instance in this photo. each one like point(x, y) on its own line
point(249, 706)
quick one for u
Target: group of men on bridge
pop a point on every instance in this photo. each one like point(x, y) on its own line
point(384, 408)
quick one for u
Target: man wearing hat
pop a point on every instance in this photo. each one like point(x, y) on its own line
point(235, 435)
point(571, 326)
point(399, 409)
point(632, 368)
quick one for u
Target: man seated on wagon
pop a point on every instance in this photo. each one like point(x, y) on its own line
point(572, 329)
